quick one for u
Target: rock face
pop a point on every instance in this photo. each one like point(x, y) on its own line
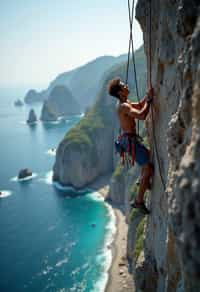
point(32, 118)
point(171, 260)
point(60, 103)
point(33, 96)
point(121, 182)
point(24, 173)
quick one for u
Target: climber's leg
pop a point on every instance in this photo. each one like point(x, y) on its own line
point(142, 157)
point(146, 174)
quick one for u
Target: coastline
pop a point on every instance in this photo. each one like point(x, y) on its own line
point(119, 278)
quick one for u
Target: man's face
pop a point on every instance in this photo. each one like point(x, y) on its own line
point(124, 91)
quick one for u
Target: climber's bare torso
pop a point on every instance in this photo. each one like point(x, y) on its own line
point(127, 122)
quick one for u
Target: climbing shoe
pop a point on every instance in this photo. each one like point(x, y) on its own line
point(141, 207)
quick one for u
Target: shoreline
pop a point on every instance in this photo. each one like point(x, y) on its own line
point(119, 278)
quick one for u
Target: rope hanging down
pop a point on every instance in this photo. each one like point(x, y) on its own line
point(149, 81)
point(131, 47)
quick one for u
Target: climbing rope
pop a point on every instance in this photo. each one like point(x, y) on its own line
point(149, 84)
point(132, 45)
point(131, 48)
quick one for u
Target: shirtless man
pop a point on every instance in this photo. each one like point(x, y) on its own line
point(127, 113)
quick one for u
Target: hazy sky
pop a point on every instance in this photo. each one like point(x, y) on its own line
point(42, 38)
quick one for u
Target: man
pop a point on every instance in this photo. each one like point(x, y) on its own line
point(127, 113)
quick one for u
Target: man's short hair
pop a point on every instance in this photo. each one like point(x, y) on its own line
point(114, 87)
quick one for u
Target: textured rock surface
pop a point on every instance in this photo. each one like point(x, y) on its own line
point(120, 184)
point(171, 254)
point(32, 118)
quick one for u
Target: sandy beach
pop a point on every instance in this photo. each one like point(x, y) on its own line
point(120, 280)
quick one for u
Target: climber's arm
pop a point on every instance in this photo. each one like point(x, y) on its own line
point(127, 109)
point(139, 105)
point(146, 98)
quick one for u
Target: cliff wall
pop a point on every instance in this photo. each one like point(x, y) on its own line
point(171, 260)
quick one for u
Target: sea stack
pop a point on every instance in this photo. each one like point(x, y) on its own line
point(18, 102)
point(32, 118)
point(25, 172)
point(48, 114)
point(60, 102)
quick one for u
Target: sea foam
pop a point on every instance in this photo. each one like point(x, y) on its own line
point(5, 194)
point(105, 258)
point(69, 189)
point(47, 178)
point(51, 152)
point(24, 179)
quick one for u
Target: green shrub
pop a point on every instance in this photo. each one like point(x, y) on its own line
point(83, 134)
point(133, 191)
point(139, 242)
point(118, 173)
point(134, 213)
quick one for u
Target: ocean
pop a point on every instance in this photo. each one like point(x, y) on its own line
point(52, 238)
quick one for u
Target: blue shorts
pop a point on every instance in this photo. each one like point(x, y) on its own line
point(142, 156)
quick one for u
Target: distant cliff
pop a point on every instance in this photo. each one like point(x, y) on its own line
point(60, 102)
point(87, 150)
point(83, 81)
point(33, 96)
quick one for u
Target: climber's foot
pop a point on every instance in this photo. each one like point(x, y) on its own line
point(140, 206)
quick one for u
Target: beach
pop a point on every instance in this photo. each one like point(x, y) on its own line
point(119, 278)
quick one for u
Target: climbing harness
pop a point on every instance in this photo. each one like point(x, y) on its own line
point(125, 146)
point(149, 84)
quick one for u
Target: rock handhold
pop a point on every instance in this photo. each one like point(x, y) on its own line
point(32, 118)
point(25, 172)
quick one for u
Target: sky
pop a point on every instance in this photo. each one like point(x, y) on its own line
point(43, 38)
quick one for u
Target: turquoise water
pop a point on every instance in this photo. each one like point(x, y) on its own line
point(47, 240)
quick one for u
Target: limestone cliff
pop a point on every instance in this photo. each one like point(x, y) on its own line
point(86, 151)
point(170, 260)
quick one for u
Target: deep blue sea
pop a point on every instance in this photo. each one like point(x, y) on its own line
point(51, 239)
